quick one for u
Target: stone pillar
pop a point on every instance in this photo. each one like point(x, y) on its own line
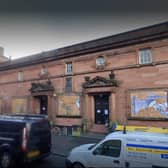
point(29, 105)
point(54, 107)
point(49, 107)
point(87, 108)
point(92, 109)
point(112, 108)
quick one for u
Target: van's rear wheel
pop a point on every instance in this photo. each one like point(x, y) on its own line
point(77, 165)
point(5, 160)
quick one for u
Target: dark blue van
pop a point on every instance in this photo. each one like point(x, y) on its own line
point(23, 138)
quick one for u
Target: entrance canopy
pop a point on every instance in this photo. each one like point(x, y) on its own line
point(41, 87)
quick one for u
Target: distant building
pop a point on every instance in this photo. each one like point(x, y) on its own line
point(121, 78)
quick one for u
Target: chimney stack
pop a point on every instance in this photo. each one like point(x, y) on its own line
point(1, 51)
point(2, 57)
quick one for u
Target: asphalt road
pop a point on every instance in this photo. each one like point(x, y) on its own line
point(51, 162)
point(61, 146)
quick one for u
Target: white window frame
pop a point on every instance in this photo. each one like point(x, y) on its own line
point(145, 56)
point(69, 68)
point(20, 76)
point(97, 61)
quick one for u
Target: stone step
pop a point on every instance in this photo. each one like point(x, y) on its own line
point(98, 129)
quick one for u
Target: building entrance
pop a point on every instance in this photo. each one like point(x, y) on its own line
point(43, 105)
point(101, 109)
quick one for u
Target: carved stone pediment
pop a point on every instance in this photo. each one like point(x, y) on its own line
point(41, 87)
point(99, 81)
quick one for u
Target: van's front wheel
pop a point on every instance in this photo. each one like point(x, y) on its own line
point(5, 160)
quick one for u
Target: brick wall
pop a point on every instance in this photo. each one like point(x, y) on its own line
point(124, 63)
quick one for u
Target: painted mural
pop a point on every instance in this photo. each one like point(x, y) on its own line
point(149, 104)
point(69, 105)
point(19, 105)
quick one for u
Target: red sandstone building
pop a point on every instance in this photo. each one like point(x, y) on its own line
point(121, 78)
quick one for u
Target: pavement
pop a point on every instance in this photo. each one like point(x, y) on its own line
point(62, 144)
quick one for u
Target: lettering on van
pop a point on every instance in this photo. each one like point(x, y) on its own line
point(137, 155)
point(131, 139)
point(134, 150)
point(163, 142)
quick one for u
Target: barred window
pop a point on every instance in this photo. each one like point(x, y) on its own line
point(68, 86)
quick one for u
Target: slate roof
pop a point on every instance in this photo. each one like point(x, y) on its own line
point(145, 34)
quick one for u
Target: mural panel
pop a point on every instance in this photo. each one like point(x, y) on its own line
point(19, 105)
point(149, 104)
point(69, 105)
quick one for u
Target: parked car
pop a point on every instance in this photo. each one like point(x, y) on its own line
point(126, 150)
point(23, 138)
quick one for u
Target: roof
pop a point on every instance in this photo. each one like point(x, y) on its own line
point(135, 134)
point(22, 118)
point(141, 35)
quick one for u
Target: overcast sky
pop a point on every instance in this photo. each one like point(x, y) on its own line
point(31, 26)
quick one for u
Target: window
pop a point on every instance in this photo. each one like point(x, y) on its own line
point(43, 70)
point(69, 68)
point(20, 76)
point(145, 56)
point(109, 148)
point(100, 61)
point(68, 87)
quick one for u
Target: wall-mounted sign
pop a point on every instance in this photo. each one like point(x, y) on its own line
point(149, 103)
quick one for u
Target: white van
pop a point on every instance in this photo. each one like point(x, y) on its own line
point(118, 149)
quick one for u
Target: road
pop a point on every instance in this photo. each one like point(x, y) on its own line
point(51, 162)
point(61, 145)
